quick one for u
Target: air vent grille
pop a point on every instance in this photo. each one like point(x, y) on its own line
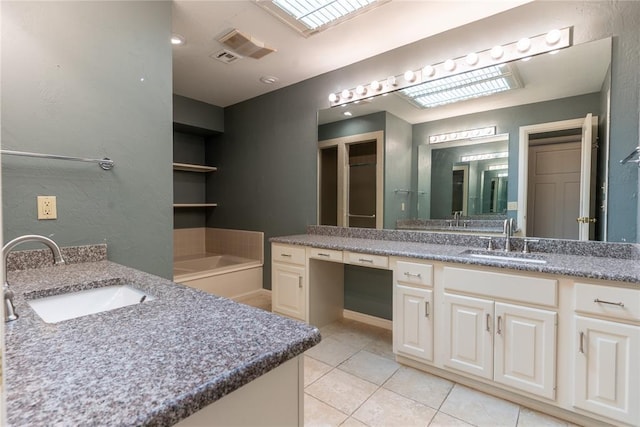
point(245, 45)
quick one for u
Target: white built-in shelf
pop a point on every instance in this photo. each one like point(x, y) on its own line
point(193, 168)
point(195, 205)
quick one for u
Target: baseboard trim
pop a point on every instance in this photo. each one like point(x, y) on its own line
point(368, 319)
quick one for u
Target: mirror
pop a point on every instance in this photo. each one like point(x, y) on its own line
point(564, 86)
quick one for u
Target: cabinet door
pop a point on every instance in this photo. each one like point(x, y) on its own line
point(412, 322)
point(288, 295)
point(607, 371)
point(525, 349)
point(468, 334)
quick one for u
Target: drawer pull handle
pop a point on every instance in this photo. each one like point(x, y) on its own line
point(581, 342)
point(366, 260)
point(599, 301)
point(499, 331)
point(323, 254)
point(286, 255)
point(408, 274)
point(426, 309)
point(300, 282)
point(488, 322)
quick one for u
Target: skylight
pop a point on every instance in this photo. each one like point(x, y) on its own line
point(312, 16)
point(460, 87)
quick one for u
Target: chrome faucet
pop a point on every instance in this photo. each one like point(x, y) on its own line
point(456, 217)
point(9, 309)
point(508, 232)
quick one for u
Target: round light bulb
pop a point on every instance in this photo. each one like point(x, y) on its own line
point(472, 58)
point(375, 85)
point(433, 139)
point(361, 90)
point(333, 97)
point(449, 65)
point(497, 52)
point(177, 40)
point(391, 81)
point(410, 76)
point(428, 71)
point(553, 37)
point(523, 45)
point(346, 94)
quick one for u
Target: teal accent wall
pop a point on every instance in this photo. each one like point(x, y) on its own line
point(368, 290)
point(90, 79)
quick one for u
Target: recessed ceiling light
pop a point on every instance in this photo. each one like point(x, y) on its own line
point(268, 80)
point(177, 40)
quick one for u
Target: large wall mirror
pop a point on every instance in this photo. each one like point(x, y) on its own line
point(479, 177)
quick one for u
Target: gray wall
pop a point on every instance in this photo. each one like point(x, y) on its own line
point(71, 85)
point(269, 145)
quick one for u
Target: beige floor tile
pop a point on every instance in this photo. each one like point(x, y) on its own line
point(332, 351)
point(258, 301)
point(355, 338)
point(314, 369)
point(443, 420)
point(370, 367)
point(352, 422)
point(382, 345)
point(317, 413)
point(530, 418)
point(479, 408)
point(341, 390)
point(386, 408)
point(420, 386)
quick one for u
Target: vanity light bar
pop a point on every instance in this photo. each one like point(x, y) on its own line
point(523, 48)
point(498, 167)
point(488, 156)
point(462, 134)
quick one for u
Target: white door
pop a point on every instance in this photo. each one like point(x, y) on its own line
point(525, 349)
point(468, 335)
point(288, 290)
point(586, 222)
point(607, 371)
point(413, 322)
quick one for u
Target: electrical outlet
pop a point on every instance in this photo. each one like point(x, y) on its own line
point(402, 206)
point(512, 206)
point(47, 208)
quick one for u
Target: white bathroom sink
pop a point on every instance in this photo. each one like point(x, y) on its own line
point(61, 307)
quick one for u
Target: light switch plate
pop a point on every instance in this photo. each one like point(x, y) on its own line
point(47, 208)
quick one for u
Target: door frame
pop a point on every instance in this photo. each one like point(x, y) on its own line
point(343, 171)
point(523, 160)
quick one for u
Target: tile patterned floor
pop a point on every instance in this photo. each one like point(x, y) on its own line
point(351, 379)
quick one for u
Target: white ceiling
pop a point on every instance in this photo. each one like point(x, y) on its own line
point(396, 23)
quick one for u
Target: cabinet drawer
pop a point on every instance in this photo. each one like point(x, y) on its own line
point(621, 303)
point(526, 289)
point(366, 260)
point(325, 254)
point(287, 253)
point(414, 273)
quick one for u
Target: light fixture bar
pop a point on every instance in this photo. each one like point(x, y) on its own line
point(463, 134)
point(487, 156)
point(523, 48)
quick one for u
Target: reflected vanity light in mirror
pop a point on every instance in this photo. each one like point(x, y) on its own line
point(462, 135)
point(525, 47)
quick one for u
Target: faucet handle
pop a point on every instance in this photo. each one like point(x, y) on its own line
point(525, 248)
point(490, 242)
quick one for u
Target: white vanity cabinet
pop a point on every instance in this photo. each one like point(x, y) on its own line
point(288, 281)
point(607, 351)
point(413, 309)
point(488, 335)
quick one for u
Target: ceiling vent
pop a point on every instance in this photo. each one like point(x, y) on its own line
point(226, 56)
point(245, 45)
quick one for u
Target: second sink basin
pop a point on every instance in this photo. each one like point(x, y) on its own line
point(516, 257)
point(61, 307)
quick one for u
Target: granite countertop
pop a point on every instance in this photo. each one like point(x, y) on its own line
point(576, 265)
point(153, 363)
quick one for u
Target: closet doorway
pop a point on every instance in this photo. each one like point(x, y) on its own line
point(557, 179)
point(350, 181)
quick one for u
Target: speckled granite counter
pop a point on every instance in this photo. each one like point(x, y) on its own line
point(153, 363)
point(616, 261)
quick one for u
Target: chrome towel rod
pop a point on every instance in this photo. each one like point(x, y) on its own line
point(630, 156)
point(105, 164)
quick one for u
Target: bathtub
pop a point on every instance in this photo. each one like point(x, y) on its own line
point(223, 275)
